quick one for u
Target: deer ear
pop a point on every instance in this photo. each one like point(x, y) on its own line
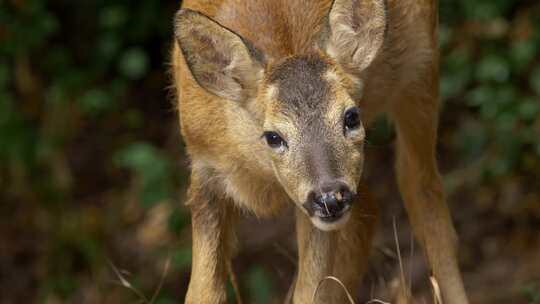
point(219, 60)
point(357, 29)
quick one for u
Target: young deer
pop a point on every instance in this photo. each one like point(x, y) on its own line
point(274, 97)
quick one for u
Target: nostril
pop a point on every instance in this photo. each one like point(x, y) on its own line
point(331, 200)
point(331, 204)
point(346, 196)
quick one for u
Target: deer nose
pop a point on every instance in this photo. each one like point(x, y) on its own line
point(330, 201)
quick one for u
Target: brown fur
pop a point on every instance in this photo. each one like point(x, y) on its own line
point(235, 67)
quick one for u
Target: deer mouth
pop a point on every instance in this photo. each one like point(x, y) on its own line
point(330, 210)
point(328, 216)
point(333, 222)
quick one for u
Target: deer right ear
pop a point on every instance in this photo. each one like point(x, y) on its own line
point(357, 29)
point(219, 60)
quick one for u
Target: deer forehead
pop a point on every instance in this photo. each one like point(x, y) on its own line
point(300, 83)
point(303, 88)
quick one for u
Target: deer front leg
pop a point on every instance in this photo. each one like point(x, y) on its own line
point(422, 191)
point(212, 243)
point(342, 254)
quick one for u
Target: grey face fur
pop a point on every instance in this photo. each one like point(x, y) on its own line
point(306, 108)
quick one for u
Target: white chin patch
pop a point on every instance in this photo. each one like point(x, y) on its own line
point(331, 226)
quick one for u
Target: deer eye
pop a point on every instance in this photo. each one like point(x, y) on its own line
point(274, 140)
point(351, 119)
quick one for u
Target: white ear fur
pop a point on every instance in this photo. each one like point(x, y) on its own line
point(357, 31)
point(218, 59)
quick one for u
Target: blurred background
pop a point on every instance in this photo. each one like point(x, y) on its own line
point(93, 173)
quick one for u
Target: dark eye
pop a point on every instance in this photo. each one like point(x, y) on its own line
point(351, 120)
point(273, 139)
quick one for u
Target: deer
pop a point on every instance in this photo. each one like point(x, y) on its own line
point(274, 97)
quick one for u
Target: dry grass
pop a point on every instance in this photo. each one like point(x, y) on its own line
point(377, 301)
point(234, 283)
point(122, 281)
point(403, 294)
point(437, 298)
point(335, 280)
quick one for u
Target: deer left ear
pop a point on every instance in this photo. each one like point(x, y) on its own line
point(357, 29)
point(220, 61)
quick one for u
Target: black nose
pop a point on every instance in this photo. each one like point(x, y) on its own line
point(330, 201)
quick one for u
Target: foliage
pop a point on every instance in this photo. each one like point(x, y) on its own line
point(491, 77)
point(532, 290)
point(153, 169)
point(83, 108)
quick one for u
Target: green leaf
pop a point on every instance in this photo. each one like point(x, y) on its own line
point(165, 299)
point(178, 220)
point(535, 80)
point(505, 123)
point(152, 169)
point(136, 156)
point(134, 63)
point(96, 101)
point(108, 46)
point(181, 258)
point(4, 75)
point(485, 9)
point(457, 73)
point(489, 110)
point(529, 109)
point(113, 17)
point(472, 139)
point(260, 286)
point(493, 68)
point(522, 53)
point(445, 35)
point(154, 193)
point(480, 95)
point(499, 167)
